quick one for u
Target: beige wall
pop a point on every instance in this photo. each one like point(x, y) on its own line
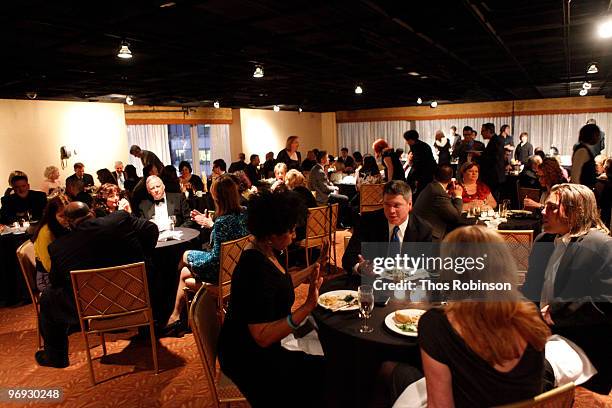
point(33, 131)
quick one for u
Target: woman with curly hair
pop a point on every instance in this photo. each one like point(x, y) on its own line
point(108, 200)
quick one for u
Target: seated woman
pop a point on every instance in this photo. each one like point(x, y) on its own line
point(131, 178)
point(109, 200)
point(280, 171)
point(486, 347)
point(549, 174)
point(52, 225)
point(295, 182)
point(190, 183)
point(368, 173)
point(203, 266)
point(475, 192)
point(105, 176)
point(51, 182)
point(170, 179)
point(260, 311)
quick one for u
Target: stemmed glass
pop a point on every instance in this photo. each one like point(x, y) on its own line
point(172, 222)
point(365, 297)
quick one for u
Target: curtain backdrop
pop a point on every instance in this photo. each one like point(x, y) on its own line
point(427, 128)
point(359, 136)
point(220, 143)
point(149, 137)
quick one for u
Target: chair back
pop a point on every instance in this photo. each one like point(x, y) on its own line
point(229, 257)
point(520, 243)
point(532, 193)
point(27, 263)
point(370, 197)
point(560, 397)
point(319, 225)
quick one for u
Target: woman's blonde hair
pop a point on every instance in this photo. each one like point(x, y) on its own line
point(49, 170)
point(491, 323)
point(290, 141)
point(280, 166)
point(578, 208)
point(294, 179)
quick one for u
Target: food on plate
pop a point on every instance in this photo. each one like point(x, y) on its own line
point(407, 321)
point(336, 301)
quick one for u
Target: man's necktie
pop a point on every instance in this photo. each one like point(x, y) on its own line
point(161, 200)
point(395, 234)
point(394, 242)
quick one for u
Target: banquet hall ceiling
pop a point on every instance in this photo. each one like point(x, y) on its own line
point(314, 53)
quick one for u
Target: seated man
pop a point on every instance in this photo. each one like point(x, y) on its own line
point(22, 201)
point(326, 192)
point(119, 175)
point(570, 276)
point(116, 239)
point(529, 176)
point(161, 205)
point(238, 165)
point(393, 223)
point(79, 181)
point(437, 207)
point(252, 169)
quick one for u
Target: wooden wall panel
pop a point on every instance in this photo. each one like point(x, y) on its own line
point(140, 115)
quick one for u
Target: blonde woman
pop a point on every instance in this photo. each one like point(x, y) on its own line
point(290, 155)
point(280, 170)
point(51, 181)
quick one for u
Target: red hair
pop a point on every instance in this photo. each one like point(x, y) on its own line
point(379, 145)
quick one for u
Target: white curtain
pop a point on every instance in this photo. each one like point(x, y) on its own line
point(149, 137)
point(220, 143)
point(427, 128)
point(360, 135)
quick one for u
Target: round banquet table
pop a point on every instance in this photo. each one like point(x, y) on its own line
point(348, 190)
point(164, 282)
point(353, 359)
point(530, 222)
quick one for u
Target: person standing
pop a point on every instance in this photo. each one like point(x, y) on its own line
point(602, 136)
point(79, 181)
point(290, 155)
point(583, 159)
point(147, 157)
point(493, 160)
point(504, 133)
point(442, 146)
point(524, 150)
point(423, 162)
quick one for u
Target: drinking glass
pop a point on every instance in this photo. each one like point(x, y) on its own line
point(507, 205)
point(172, 222)
point(365, 298)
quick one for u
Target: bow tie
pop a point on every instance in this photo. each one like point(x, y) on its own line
point(161, 200)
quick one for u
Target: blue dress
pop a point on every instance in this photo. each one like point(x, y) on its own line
point(205, 264)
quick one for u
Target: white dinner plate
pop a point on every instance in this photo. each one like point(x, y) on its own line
point(392, 325)
point(340, 305)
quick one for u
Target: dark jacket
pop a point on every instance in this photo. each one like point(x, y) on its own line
point(374, 229)
point(423, 164)
point(436, 207)
point(237, 166)
point(283, 157)
point(12, 204)
point(74, 185)
point(252, 172)
point(177, 205)
point(523, 152)
point(493, 163)
point(319, 182)
point(461, 151)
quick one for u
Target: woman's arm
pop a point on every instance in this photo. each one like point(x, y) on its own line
point(490, 201)
point(389, 164)
point(439, 382)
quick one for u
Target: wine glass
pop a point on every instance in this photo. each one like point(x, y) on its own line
point(365, 297)
point(172, 222)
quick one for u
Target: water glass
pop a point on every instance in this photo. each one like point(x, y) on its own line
point(365, 297)
point(172, 219)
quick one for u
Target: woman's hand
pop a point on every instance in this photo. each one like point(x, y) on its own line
point(202, 219)
point(529, 203)
point(124, 205)
point(313, 290)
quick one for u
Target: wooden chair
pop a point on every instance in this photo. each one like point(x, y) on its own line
point(229, 257)
point(519, 243)
point(370, 197)
point(206, 327)
point(320, 229)
point(110, 299)
point(532, 193)
point(560, 397)
point(27, 263)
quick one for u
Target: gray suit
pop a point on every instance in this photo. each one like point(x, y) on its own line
point(436, 207)
point(320, 183)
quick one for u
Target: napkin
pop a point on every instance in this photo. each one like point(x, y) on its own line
point(309, 344)
point(169, 235)
point(568, 361)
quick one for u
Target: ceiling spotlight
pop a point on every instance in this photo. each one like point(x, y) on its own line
point(259, 72)
point(358, 90)
point(276, 108)
point(216, 104)
point(592, 69)
point(31, 95)
point(433, 104)
point(413, 73)
point(587, 85)
point(125, 52)
point(583, 92)
point(129, 100)
point(299, 109)
point(605, 28)
point(419, 101)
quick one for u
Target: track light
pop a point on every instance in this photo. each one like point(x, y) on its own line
point(358, 90)
point(413, 73)
point(583, 92)
point(419, 101)
point(129, 100)
point(433, 104)
point(216, 104)
point(259, 72)
point(587, 85)
point(276, 108)
point(592, 69)
point(125, 52)
point(605, 28)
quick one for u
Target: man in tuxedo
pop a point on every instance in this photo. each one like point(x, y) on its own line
point(238, 165)
point(439, 208)
point(492, 160)
point(161, 205)
point(423, 161)
point(22, 201)
point(570, 276)
point(326, 192)
point(147, 157)
point(115, 239)
point(393, 224)
point(79, 181)
point(119, 175)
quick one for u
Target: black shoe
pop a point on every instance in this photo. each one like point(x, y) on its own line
point(176, 329)
point(43, 360)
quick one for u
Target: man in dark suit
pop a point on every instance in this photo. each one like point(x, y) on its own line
point(493, 160)
point(326, 192)
point(394, 223)
point(524, 150)
point(22, 201)
point(348, 161)
point(147, 158)
point(116, 239)
point(252, 169)
point(161, 205)
point(570, 276)
point(437, 207)
point(238, 165)
point(462, 152)
point(79, 181)
point(423, 161)
point(119, 175)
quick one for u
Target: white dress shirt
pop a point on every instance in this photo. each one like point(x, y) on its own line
point(401, 232)
point(161, 217)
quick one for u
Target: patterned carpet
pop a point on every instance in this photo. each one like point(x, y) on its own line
point(127, 373)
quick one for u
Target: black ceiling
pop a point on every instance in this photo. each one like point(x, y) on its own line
point(314, 52)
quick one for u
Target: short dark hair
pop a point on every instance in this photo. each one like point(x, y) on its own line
point(241, 156)
point(398, 187)
point(253, 157)
point(18, 177)
point(357, 156)
point(78, 165)
point(444, 173)
point(454, 127)
point(589, 134)
point(183, 164)
point(503, 127)
point(320, 155)
point(467, 129)
point(274, 213)
point(220, 163)
point(411, 135)
point(489, 126)
point(344, 149)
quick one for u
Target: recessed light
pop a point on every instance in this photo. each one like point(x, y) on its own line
point(587, 85)
point(413, 73)
point(419, 101)
point(592, 68)
point(358, 90)
point(605, 28)
point(299, 109)
point(124, 51)
point(424, 77)
point(583, 92)
point(433, 104)
point(216, 104)
point(129, 100)
point(399, 68)
point(259, 72)
point(276, 108)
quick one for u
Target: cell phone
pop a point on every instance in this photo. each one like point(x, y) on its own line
point(381, 300)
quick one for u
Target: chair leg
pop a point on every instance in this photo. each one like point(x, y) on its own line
point(307, 256)
point(153, 345)
point(91, 371)
point(103, 340)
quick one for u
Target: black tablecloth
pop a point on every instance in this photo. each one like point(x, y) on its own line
point(533, 222)
point(508, 191)
point(353, 359)
point(12, 286)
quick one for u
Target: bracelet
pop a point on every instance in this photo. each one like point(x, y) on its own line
point(291, 323)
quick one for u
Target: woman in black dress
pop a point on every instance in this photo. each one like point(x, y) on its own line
point(442, 146)
point(259, 315)
point(290, 155)
point(189, 182)
point(390, 160)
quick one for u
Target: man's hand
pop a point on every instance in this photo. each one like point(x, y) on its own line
point(546, 315)
point(365, 267)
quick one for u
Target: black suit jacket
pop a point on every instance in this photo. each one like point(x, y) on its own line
point(79, 185)
point(177, 206)
point(423, 164)
point(374, 228)
point(461, 151)
point(436, 207)
point(493, 163)
point(12, 204)
point(522, 152)
point(236, 166)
